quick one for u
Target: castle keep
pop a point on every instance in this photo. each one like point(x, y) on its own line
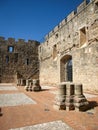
point(18, 59)
point(70, 50)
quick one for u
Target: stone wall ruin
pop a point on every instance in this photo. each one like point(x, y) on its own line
point(68, 54)
point(18, 59)
point(73, 44)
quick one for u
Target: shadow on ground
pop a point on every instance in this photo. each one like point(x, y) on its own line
point(92, 104)
point(90, 107)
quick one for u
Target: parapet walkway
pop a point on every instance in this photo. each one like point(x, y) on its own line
point(22, 110)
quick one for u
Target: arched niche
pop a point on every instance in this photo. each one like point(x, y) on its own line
point(66, 71)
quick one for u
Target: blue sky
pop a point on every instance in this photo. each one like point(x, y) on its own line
point(32, 19)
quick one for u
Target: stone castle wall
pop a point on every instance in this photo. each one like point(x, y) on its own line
point(18, 59)
point(86, 66)
point(74, 40)
point(69, 52)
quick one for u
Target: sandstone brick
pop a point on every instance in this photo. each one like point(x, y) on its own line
point(78, 40)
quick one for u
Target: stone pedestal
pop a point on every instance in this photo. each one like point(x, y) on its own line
point(80, 102)
point(69, 101)
point(36, 85)
point(59, 102)
point(33, 85)
point(18, 82)
point(27, 82)
point(29, 85)
point(21, 82)
point(70, 96)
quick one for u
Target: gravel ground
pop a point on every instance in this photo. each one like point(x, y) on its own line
point(55, 125)
point(15, 99)
point(8, 88)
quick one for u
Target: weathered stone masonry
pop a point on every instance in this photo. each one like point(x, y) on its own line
point(18, 59)
point(70, 50)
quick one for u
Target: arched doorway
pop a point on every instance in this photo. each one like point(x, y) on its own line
point(69, 70)
point(66, 71)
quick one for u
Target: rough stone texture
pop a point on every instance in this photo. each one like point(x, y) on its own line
point(33, 85)
point(29, 115)
point(76, 39)
point(36, 85)
point(59, 102)
point(70, 97)
point(18, 59)
point(86, 66)
point(69, 52)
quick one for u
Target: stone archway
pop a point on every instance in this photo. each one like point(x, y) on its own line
point(66, 72)
point(69, 70)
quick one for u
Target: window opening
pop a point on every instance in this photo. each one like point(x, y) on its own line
point(54, 51)
point(82, 36)
point(27, 61)
point(56, 36)
point(66, 68)
point(69, 70)
point(10, 49)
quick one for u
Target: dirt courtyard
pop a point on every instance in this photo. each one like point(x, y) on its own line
point(23, 110)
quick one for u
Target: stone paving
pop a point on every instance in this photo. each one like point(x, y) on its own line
point(15, 99)
point(22, 110)
point(55, 125)
point(8, 88)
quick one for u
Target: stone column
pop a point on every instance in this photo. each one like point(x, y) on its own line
point(18, 82)
point(59, 102)
point(78, 89)
point(27, 82)
point(27, 85)
point(30, 84)
point(69, 102)
point(36, 85)
point(80, 101)
point(21, 82)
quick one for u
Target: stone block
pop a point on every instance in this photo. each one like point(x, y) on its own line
point(81, 6)
point(11, 40)
point(59, 102)
point(70, 16)
point(36, 85)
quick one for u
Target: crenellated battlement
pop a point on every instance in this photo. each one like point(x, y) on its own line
point(18, 56)
point(2, 39)
point(69, 52)
point(11, 40)
point(82, 6)
point(72, 15)
point(19, 41)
